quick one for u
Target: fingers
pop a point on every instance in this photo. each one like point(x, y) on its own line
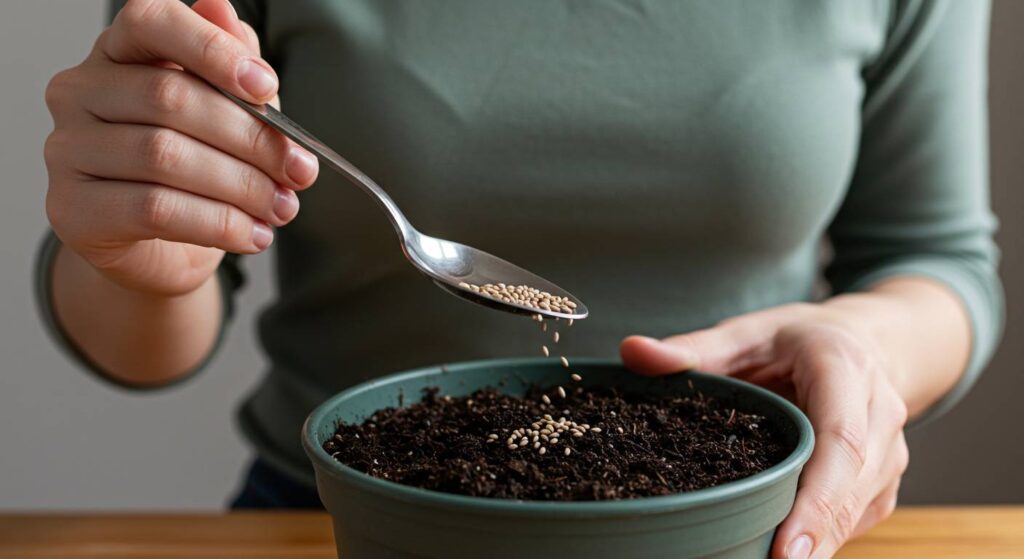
point(731, 346)
point(147, 31)
point(129, 152)
point(880, 508)
point(859, 451)
point(140, 211)
point(134, 94)
point(222, 14)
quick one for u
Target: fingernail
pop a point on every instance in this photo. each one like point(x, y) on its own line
point(799, 548)
point(256, 78)
point(300, 165)
point(262, 236)
point(232, 8)
point(286, 204)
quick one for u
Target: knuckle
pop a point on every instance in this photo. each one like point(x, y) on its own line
point(846, 519)
point(252, 190)
point(57, 89)
point(168, 92)
point(259, 138)
point(158, 209)
point(902, 457)
point(55, 147)
point(851, 439)
point(162, 149)
point(139, 14)
point(213, 44)
point(230, 225)
point(56, 208)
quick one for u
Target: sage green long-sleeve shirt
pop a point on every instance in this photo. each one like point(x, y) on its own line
point(672, 163)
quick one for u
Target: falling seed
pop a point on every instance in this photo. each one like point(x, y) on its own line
point(556, 337)
point(545, 399)
point(567, 451)
point(565, 362)
point(570, 322)
point(543, 326)
point(575, 377)
point(561, 392)
point(544, 348)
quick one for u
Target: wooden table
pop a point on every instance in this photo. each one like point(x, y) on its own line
point(934, 533)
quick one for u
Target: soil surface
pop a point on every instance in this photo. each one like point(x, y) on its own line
point(632, 446)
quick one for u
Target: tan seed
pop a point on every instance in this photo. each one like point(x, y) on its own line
point(567, 451)
point(595, 430)
point(544, 348)
point(543, 450)
point(556, 337)
point(565, 362)
point(575, 377)
point(545, 399)
point(561, 392)
point(570, 322)
point(513, 446)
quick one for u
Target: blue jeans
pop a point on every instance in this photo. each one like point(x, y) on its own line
point(266, 488)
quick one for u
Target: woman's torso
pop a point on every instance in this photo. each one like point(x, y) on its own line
point(671, 163)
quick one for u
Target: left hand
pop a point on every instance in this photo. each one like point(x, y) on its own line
point(816, 357)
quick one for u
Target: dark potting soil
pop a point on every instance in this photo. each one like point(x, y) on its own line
point(667, 444)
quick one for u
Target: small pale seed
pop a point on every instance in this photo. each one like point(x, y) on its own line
point(543, 450)
point(567, 451)
point(561, 392)
point(556, 337)
point(575, 377)
point(544, 349)
point(565, 362)
point(545, 399)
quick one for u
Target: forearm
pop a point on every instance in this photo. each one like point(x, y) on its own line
point(135, 338)
point(922, 329)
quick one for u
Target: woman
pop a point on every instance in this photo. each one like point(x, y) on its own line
point(674, 164)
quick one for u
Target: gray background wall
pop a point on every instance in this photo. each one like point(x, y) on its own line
point(69, 442)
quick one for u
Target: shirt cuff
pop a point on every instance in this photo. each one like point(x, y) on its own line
point(981, 296)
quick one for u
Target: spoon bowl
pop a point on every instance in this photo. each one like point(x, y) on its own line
point(451, 265)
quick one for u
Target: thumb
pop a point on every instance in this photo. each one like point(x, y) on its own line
point(731, 346)
point(222, 14)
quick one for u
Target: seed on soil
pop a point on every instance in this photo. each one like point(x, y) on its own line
point(542, 450)
point(577, 378)
point(567, 451)
point(545, 399)
point(565, 362)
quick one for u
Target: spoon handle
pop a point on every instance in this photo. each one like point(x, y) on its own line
point(280, 122)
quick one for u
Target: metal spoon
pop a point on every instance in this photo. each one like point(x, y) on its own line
point(446, 262)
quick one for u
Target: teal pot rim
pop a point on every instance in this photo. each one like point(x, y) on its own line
point(325, 464)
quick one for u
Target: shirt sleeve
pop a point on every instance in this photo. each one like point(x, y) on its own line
point(918, 203)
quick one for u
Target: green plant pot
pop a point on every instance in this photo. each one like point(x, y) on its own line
point(374, 518)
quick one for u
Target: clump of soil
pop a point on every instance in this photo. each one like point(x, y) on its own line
point(635, 446)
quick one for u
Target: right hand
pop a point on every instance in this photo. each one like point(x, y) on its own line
point(153, 173)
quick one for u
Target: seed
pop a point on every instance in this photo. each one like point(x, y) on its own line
point(595, 430)
point(577, 434)
point(554, 440)
point(565, 362)
point(492, 436)
point(561, 392)
point(571, 305)
point(570, 322)
point(619, 429)
point(536, 445)
point(544, 348)
point(575, 377)
point(543, 450)
point(523, 441)
point(567, 451)
point(463, 285)
point(544, 398)
point(544, 327)
point(556, 337)
point(513, 446)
